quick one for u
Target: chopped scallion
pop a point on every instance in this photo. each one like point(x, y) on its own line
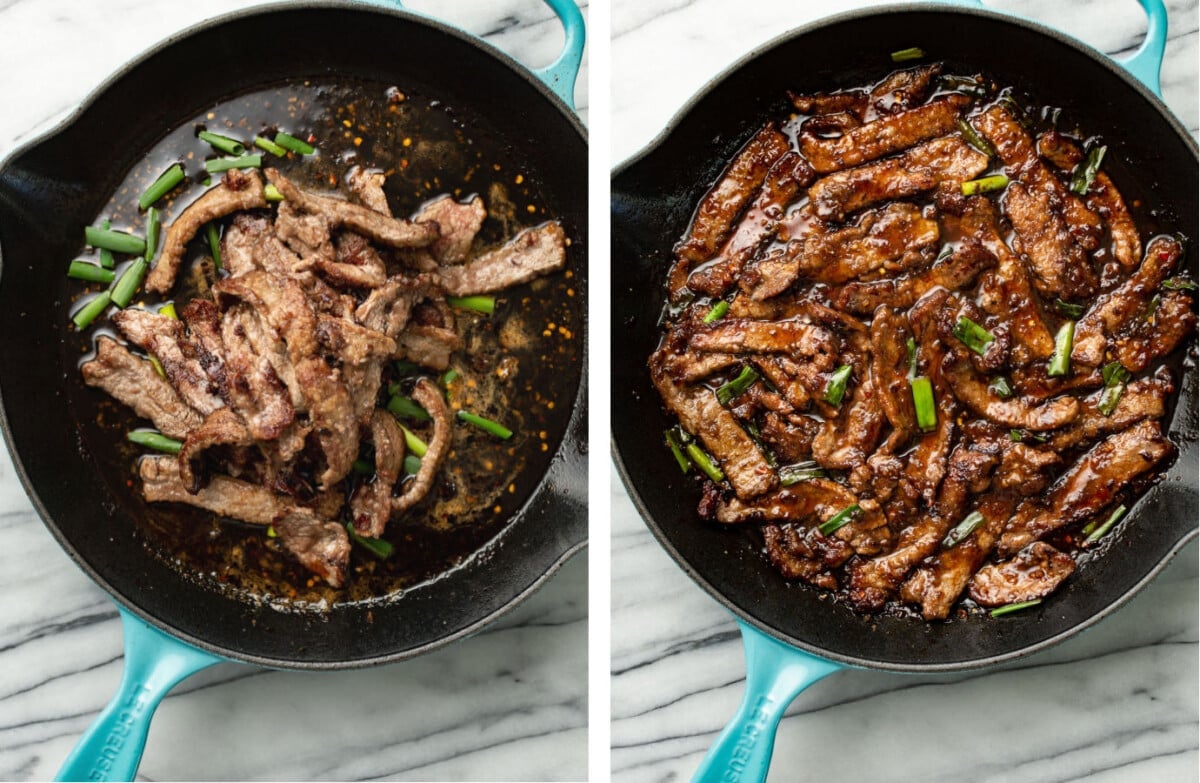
point(1096, 534)
point(922, 392)
point(676, 445)
point(1060, 361)
point(152, 225)
point(984, 184)
point(404, 367)
point(802, 471)
point(116, 241)
point(480, 304)
point(165, 183)
point(974, 138)
point(93, 308)
point(911, 345)
point(217, 165)
point(404, 407)
point(973, 335)
point(82, 270)
point(835, 388)
point(734, 388)
point(270, 146)
point(839, 520)
point(155, 440)
point(290, 142)
point(223, 143)
point(717, 312)
point(963, 529)
point(363, 467)
point(106, 257)
point(415, 444)
point(157, 365)
point(449, 377)
point(129, 283)
point(272, 194)
point(1016, 436)
point(376, 546)
point(487, 425)
point(1085, 171)
point(412, 464)
point(169, 311)
point(1179, 284)
point(907, 55)
point(701, 459)
point(214, 245)
point(1000, 611)
point(1069, 310)
point(1000, 387)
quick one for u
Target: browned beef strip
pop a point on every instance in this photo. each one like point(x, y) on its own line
point(428, 346)
point(238, 191)
point(240, 241)
point(530, 254)
point(1173, 321)
point(793, 338)
point(853, 101)
point(255, 390)
point(1025, 468)
point(333, 417)
point(702, 415)
point(380, 228)
point(786, 375)
point(280, 302)
point(1144, 398)
point(371, 503)
point(784, 180)
point(1102, 197)
point(948, 159)
point(830, 124)
point(389, 307)
point(722, 205)
point(1035, 572)
point(228, 497)
point(242, 322)
point(368, 186)
point(458, 223)
point(351, 343)
point(904, 89)
point(884, 136)
point(429, 397)
point(690, 367)
point(134, 382)
point(308, 237)
point(971, 389)
point(846, 440)
point(321, 546)
point(1120, 308)
point(873, 581)
point(889, 371)
point(355, 263)
point(801, 552)
point(164, 338)
point(789, 436)
point(957, 271)
point(771, 274)
point(938, 582)
point(1089, 485)
point(1059, 266)
point(895, 238)
point(222, 427)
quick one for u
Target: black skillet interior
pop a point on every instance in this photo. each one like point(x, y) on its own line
point(52, 189)
point(1152, 159)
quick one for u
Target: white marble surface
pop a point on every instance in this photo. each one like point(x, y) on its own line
point(508, 704)
point(1115, 704)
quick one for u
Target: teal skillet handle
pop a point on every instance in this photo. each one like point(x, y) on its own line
point(775, 675)
point(560, 75)
point(1146, 63)
point(111, 748)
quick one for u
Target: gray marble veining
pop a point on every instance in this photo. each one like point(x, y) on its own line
point(1115, 704)
point(507, 704)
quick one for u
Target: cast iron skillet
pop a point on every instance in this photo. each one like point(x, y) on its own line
point(786, 628)
point(48, 190)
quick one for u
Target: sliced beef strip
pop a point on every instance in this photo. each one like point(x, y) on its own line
point(786, 375)
point(771, 274)
point(321, 546)
point(702, 415)
point(1173, 321)
point(1025, 468)
point(238, 191)
point(690, 367)
point(367, 185)
point(971, 389)
point(308, 236)
point(1089, 485)
point(428, 346)
point(530, 254)
point(895, 238)
point(922, 168)
point(1120, 308)
point(355, 263)
point(845, 441)
point(388, 308)
point(380, 228)
point(853, 101)
point(957, 271)
point(458, 224)
point(803, 553)
point(884, 136)
point(789, 436)
point(722, 205)
point(791, 338)
point(371, 503)
point(1035, 572)
point(164, 338)
point(889, 370)
point(241, 242)
point(227, 497)
point(1060, 267)
point(352, 343)
point(134, 382)
point(222, 427)
point(784, 180)
point(428, 396)
point(241, 322)
point(255, 390)
point(873, 581)
point(904, 89)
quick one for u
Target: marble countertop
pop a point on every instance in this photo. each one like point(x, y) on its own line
point(507, 704)
point(1115, 704)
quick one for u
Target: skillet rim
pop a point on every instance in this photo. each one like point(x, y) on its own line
point(576, 422)
point(678, 119)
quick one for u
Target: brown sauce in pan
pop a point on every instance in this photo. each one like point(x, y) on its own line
point(520, 366)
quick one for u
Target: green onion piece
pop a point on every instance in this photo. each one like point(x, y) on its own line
point(717, 312)
point(922, 392)
point(116, 241)
point(1085, 172)
point(911, 345)
point(217, 165)
point(449, 377)
point(704, 462)
point(169, 311)
point(376, 546)
point(363, 467)
point(165, 183)
point(752, 430)
point(405, 367)
point(984, 184)
point(1179, 284)
point(963, 529)
point(974, 138)
point(487, 425)
point(1015, 436)
point(412, 464)
point(803, 471)
point(1000, 387)
point(269, 146)
point(106, 257)
point(271, 193)
point(1152, 308)
point(402, 406)
point(214, 245)
point(1016, 110)
point(152, 223)
point(839, 520)
point(89, 311)
point(1060, 362)
point(82, 270)
point(271, 532)
point(129, 283)
point(676, 445)
point(415, 444)
point(1114, 373)
point(1068, 309)
point(731, 389)
point(973, 335)
point(1095, 535)
point(223, 143)
point(905, 55)
point(287, 141)
point(157, 365)
point(480, 304)
point(835, 389)
point(1000, 611)
point(155, 440)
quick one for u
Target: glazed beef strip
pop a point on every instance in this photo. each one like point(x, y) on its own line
point(134, 382)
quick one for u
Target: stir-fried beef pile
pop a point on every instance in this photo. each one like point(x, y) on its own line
point(915, 336)
point(272, 383)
